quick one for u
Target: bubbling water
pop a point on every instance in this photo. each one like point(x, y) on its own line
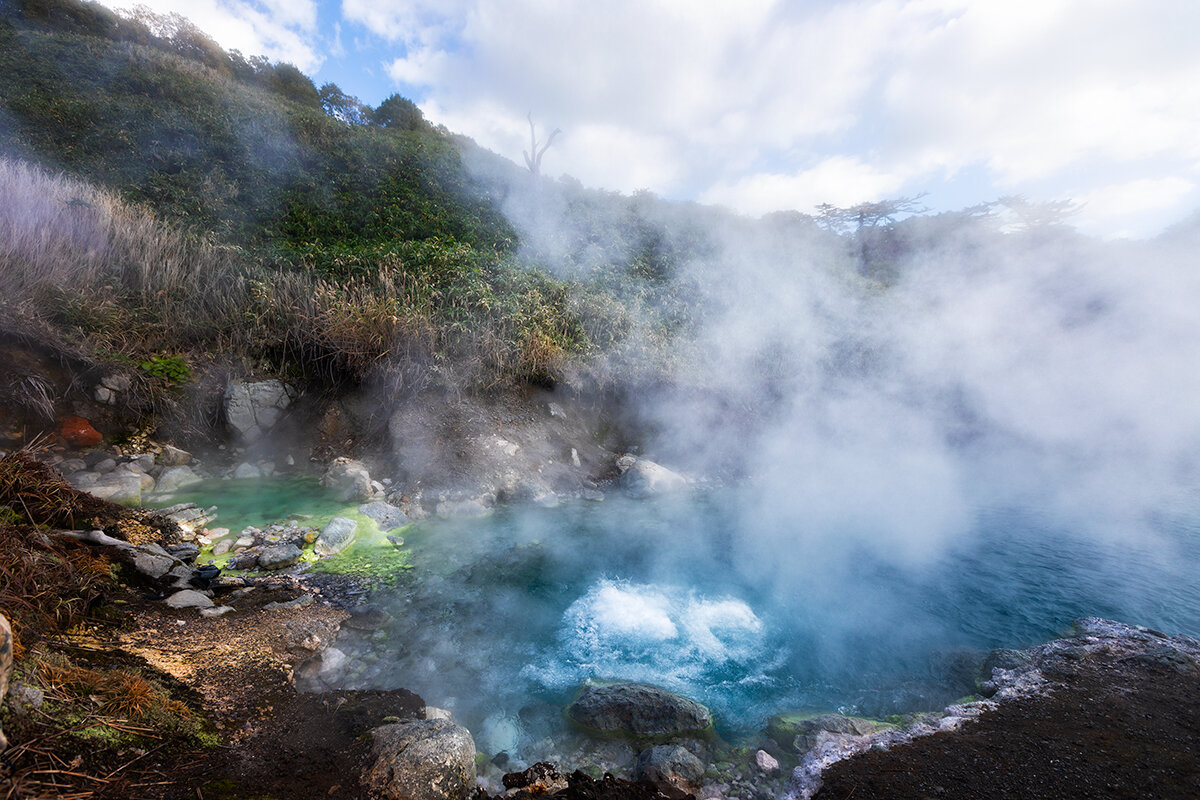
point(667, 635)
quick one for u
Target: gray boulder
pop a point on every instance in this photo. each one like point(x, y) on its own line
point(118, 487)
point(431, 759)
point(116, 382)
point(279, 556)
point(174, 478)
point(387, 515)
point(644, 478)
point(153, 565)
point(246, 470)
point(253, 408)
point(189, 598)
point(349, 478)
point(670, 765)
point(173, 457)
point(336, 536)
point(639, 709)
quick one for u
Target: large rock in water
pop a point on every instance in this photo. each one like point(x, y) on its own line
point(174, 478)
point(644, 478)
point(124, 488)
point(638, 708)
point(252, 409)
point(349, 478)
point(428, 759)
point(336, 536)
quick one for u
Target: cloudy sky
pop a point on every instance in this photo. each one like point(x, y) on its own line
point(768, 104)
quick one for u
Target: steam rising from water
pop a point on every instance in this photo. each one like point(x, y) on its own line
point(1000, 439)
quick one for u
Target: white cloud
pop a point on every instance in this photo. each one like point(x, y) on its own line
point(1126, 209)
point(840, 180)
point(738, 104)
point(773, 102)
point(282, 30)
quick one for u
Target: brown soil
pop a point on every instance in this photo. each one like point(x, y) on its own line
point(279, 742)
point(1128, 729)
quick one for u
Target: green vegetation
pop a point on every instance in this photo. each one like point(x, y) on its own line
point(172, 369)
point(227, 206)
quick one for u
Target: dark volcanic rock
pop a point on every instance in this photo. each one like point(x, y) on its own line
point(428, 759)
point(670, 766)
point(639, 709)
point(538, 781)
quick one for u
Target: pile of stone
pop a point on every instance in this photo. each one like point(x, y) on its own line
point(126, 479)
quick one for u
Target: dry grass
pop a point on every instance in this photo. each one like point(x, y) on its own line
point(46, 582)
point(118, 692)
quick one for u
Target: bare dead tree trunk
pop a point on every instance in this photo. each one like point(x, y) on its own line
point(533, 158)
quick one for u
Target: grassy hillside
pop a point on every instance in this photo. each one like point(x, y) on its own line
point(237, 216)
point(181, 202)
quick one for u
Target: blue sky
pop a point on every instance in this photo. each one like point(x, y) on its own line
point(763, 105)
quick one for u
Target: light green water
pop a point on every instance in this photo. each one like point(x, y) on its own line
point(258, 502)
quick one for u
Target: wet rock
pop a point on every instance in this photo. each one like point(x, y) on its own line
point(349, 478)
point(279, 556)
point(175, 478)
point(387, 515)
point(644, 478)
point(670, 766)
point(421, 760)
point(106, 466)
point(253, 408)
point(336, 536)
point(189, 598)
point(639, 709)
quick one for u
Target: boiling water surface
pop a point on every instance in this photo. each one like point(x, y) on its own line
point(503, 617)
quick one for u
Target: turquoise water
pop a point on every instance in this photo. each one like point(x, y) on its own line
point(503, 617)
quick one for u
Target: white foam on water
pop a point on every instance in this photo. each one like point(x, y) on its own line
point(658, 634)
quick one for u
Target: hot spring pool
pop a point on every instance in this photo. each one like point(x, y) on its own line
point(501, 618)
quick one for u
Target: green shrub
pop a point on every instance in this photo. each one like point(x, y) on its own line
point(171, 369)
